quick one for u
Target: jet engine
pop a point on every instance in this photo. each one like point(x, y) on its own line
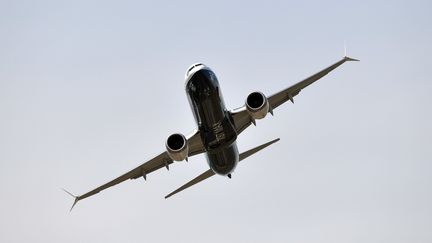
point(177, 147)
point(257, 105)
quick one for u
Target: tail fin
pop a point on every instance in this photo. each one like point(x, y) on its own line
point(76, 198)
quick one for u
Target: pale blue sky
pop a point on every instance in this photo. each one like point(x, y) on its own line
point(90, 89)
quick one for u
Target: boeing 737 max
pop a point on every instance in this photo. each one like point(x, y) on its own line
point(217, 127)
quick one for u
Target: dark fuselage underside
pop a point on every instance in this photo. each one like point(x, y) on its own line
point(214, 121)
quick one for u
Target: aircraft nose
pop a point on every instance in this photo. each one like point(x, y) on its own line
point(192, 68)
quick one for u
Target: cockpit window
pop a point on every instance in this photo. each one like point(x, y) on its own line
point(192, 67)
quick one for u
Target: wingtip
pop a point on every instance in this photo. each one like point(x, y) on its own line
point(75, 197)
point(73, 205)
point(72, 195)
point(347, 58)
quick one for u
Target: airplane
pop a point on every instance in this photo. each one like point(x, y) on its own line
point(217, 127)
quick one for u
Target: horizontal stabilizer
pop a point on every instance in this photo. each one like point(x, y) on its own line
point(197, 179)
point(209, 173)
point(248, 153)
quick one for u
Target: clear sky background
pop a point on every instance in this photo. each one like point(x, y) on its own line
point(91, 89)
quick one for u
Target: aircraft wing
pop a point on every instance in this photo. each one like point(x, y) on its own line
point(241, 117)
point(162, 160)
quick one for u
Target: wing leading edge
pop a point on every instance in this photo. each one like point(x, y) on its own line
point(242, 118)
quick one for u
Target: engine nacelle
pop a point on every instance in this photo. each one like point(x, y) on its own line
point(257, 105)
point(177, 147)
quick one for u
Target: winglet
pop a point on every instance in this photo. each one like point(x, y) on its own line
point(346, 57)
point(76, 198)
point(350, 59)
point(345, 50)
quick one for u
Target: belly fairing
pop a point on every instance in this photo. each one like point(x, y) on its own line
point(223, 161)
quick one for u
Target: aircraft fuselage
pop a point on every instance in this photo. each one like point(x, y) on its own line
point(213, 120)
